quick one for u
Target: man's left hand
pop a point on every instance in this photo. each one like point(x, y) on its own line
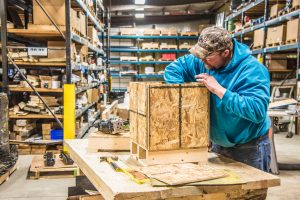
point(212, 84)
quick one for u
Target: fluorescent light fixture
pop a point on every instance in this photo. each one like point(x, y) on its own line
point(139, 1)
point(139, 9)
point(139, 15)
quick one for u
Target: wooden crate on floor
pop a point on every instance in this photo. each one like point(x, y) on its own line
point(170, 122)
point(59, 170)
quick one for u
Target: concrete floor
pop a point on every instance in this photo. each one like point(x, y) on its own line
point(19, 188)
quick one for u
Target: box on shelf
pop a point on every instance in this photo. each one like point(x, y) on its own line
point(93, 35)
point(276, 35)
point(169, 32)
point(295, 4)
point(56, 9)
point(160, 124)
point(292, 31)
point(151, 32)
point(83, 25)
point(56, 49)
point(150, 45)
point(276, 61)
point(83, 53)
point(46, 81)
point(275, 10)
point(258, 40)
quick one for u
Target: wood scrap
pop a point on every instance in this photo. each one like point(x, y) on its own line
point(180, 174)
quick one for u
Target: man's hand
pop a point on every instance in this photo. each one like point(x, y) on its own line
point(212, 84)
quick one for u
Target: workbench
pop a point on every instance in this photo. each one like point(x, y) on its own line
point(252, 183)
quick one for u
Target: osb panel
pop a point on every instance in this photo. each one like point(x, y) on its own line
point(195, 117)
point(142, 131)
point(133, 126)
point(142, 98)
point(164, 123)
point(133, 96)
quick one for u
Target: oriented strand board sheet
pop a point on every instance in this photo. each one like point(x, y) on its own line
point(180, 174)
point(163, 118)
point(142, 96)
point(142, 131)
point(133, 96)
point(133, 126)
point(195, 117)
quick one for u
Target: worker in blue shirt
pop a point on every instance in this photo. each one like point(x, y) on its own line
point(240, 92)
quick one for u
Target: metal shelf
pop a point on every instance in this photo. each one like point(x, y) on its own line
point(248, 7)
point(89, 15)
point(138, 75)
point(84, 41)
point(151, 37)
point(136, 50)
point(79, 90)
point(140, 62)
point(119, 89)
point(83, 110)
point(82, 133)
point(277, 48)
point(271, 22)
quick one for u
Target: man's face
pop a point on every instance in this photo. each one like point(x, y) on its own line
point(215, 60)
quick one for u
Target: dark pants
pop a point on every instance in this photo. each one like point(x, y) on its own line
point(256, 153)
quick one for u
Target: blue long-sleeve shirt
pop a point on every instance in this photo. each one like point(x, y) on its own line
point(241, 115)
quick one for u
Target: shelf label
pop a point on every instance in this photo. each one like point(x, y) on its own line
point(37, 51)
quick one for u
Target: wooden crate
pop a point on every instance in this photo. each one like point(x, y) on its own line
point(295, 5)
point(150, 45)
point(275, 9)
point(169, 117)
point(258, 40)
point(128, 31)
point(276, 35)
point(292, 31)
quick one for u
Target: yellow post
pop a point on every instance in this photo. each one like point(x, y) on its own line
point(69, 112)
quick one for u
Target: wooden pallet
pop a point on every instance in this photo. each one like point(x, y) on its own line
point(258, 47)
point(5, 177)
point(189, 34)
point(283, 12)
point(147, 158)
point(165, 59)
point(291, 41)
point(150, 48)
point(128, 58)
point(59, 170)
point(168, 47)
point(146, 59)
point(275, 44)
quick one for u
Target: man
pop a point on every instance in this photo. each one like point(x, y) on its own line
point(240, 92)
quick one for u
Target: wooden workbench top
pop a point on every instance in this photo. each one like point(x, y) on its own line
point(116, 185)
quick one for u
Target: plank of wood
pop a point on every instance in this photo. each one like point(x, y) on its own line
point(285, 102)
point(22, 89)
point(106, 142)
point(110, 109)
point(100, 174)
point(180, 174)
point(62, 64)
point(40, 33)
point(33, 116)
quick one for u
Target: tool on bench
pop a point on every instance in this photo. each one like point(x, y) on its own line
point(134, 175)
point(49, 159)
point(65, 157)
point(110, 126)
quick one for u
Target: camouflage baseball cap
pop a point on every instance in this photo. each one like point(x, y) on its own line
point(212, 39)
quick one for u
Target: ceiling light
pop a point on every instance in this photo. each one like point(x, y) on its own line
point(139, 1)
point(139, 15)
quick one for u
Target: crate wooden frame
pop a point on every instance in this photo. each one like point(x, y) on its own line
point(184, 128)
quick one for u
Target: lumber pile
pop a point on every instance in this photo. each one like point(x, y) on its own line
point(23, 129)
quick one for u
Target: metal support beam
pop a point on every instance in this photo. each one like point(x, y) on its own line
point(3, 15)
point(68, 42)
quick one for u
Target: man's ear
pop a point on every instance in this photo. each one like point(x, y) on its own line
point(226, 53)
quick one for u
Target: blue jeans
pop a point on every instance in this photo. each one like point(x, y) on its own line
point(256, 153)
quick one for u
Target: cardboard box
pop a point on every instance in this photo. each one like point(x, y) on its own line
point(83, 26)
point(275, 64)
point(55, 8)
point(276, 34)
point(92, 33)
point(275, 9)
point(258, 38)
point(83, 53)
point(292, 30)
point(56, 53)
point(74, 20)
point(128, 31)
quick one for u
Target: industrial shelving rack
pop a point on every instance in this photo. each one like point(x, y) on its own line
point(69, 90)
point(138, 51)
point(261, 8)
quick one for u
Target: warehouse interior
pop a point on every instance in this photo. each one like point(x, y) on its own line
point(107, 99)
